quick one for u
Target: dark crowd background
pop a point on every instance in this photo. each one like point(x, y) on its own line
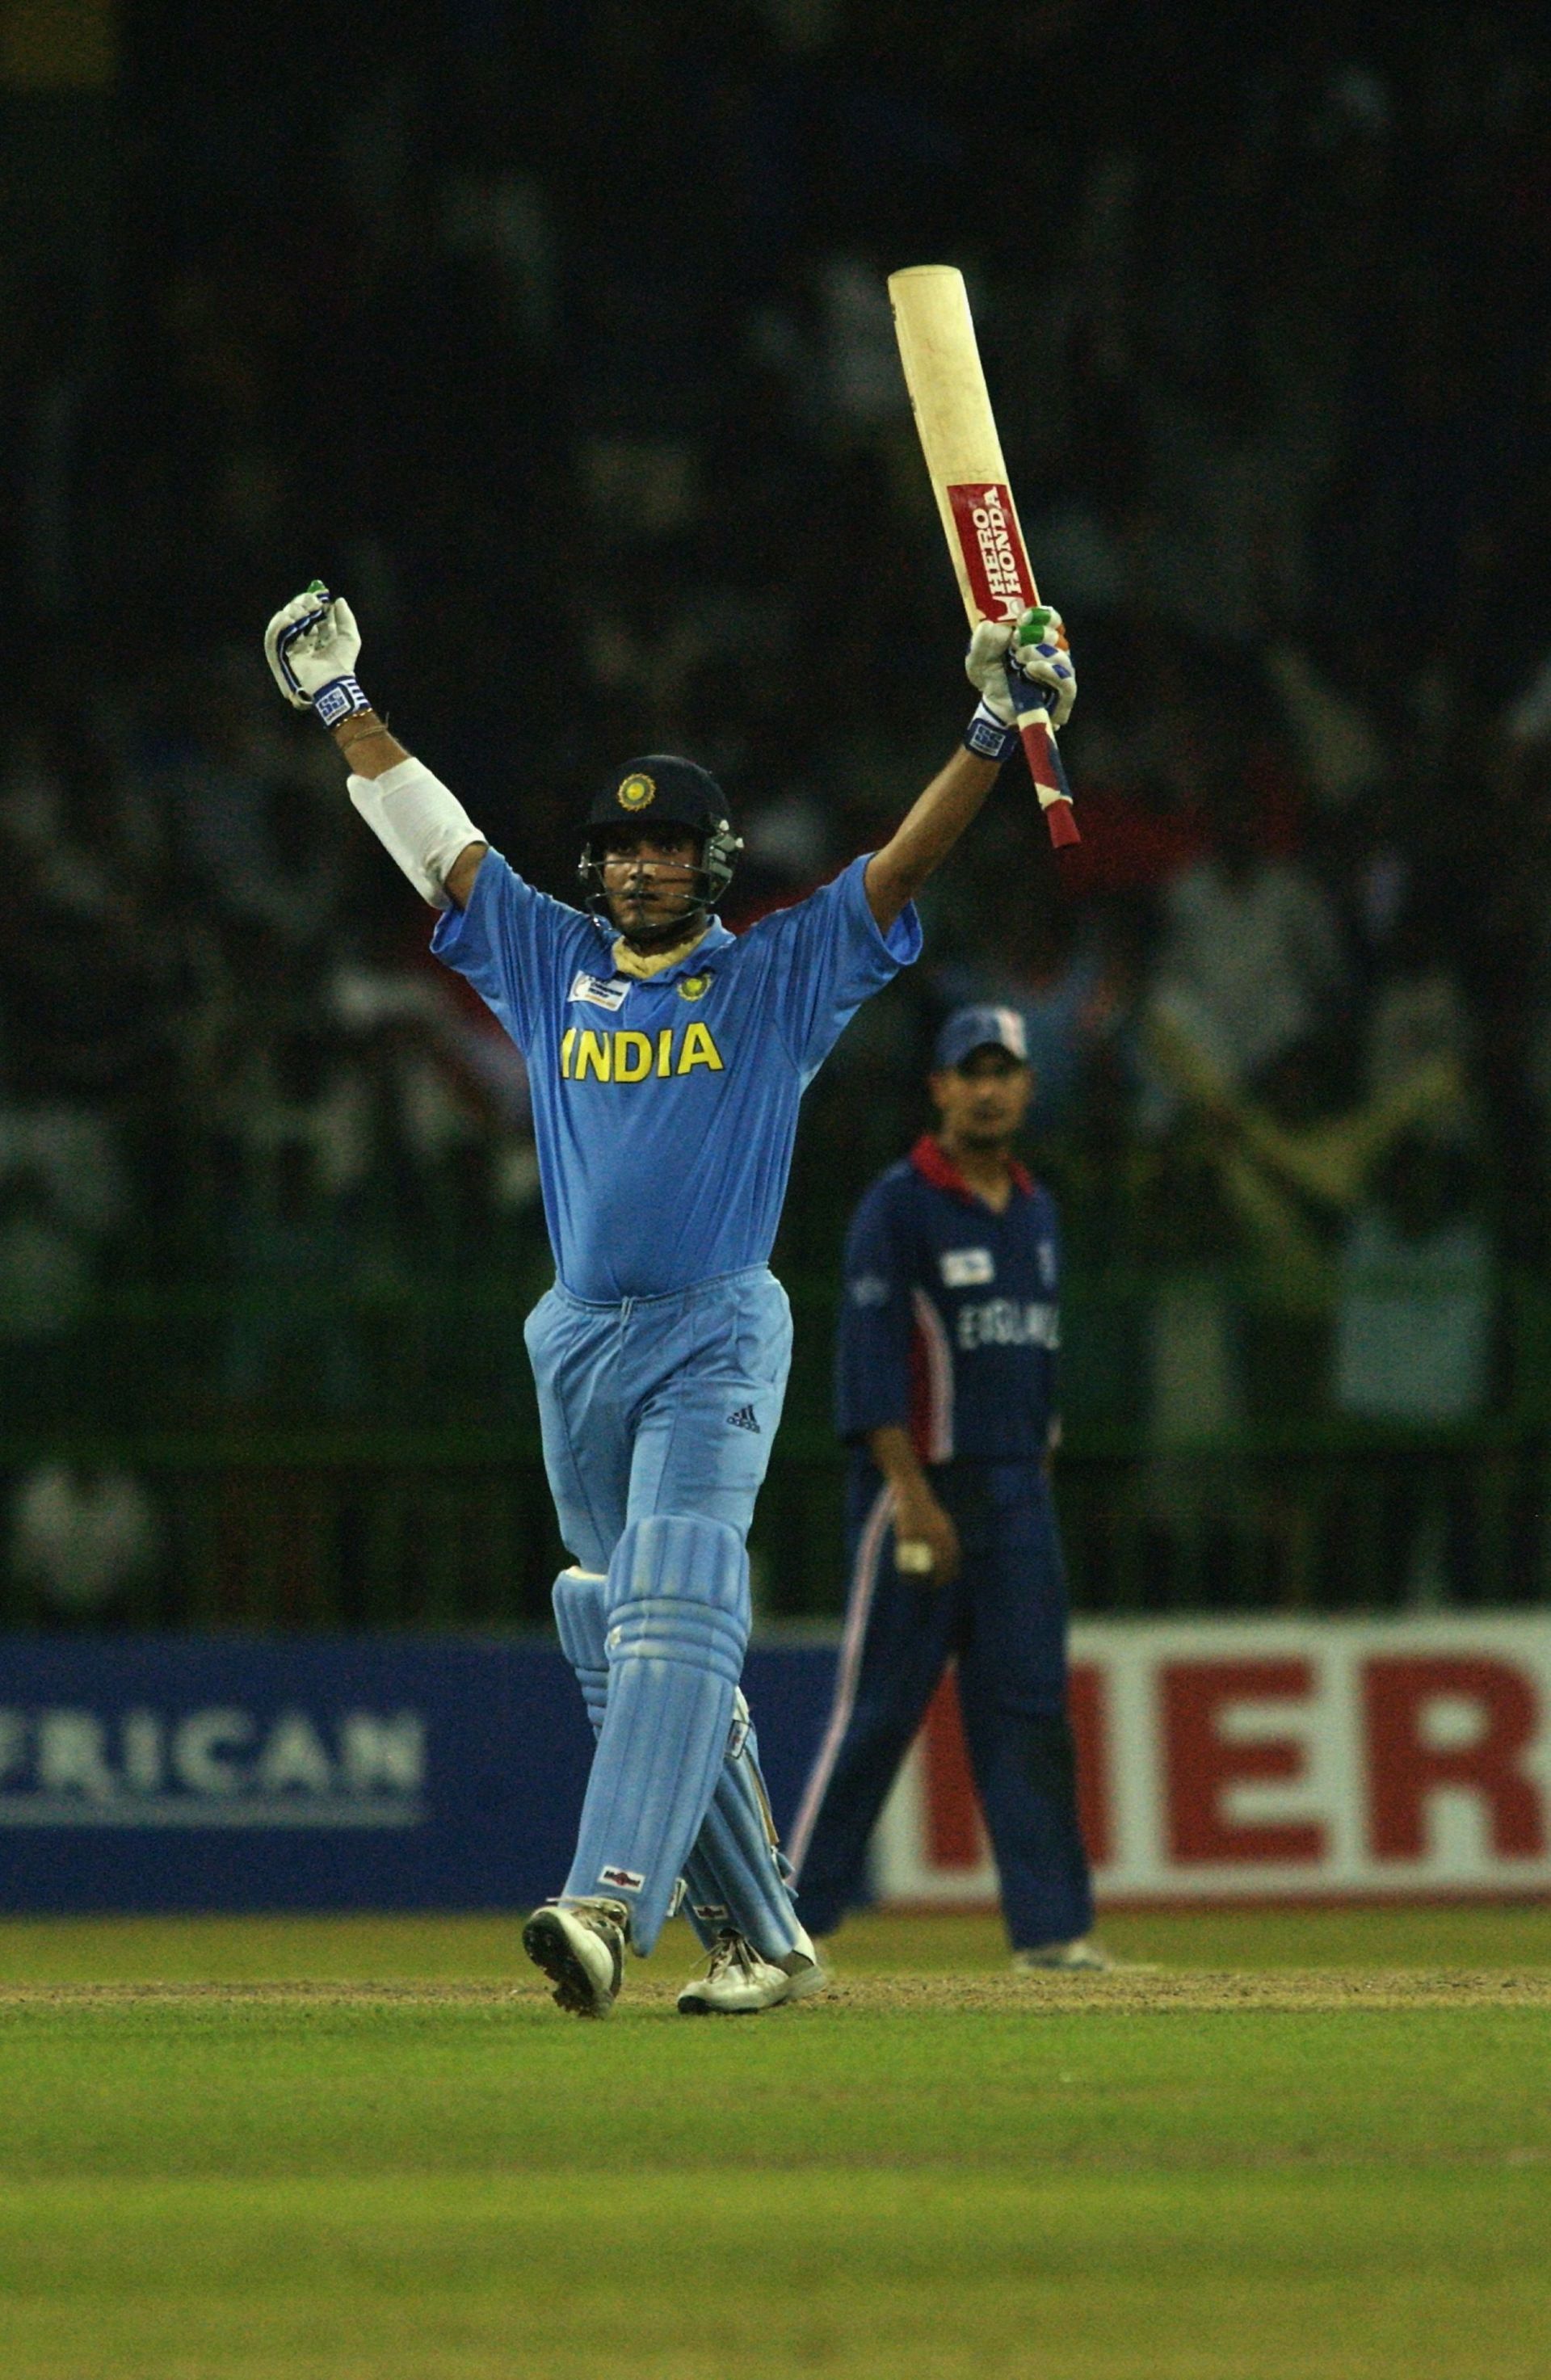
point(557, 337)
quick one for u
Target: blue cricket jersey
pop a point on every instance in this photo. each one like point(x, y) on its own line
point(949, 1321)
point(665, 1111)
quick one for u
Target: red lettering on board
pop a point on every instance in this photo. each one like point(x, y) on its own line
point(1199, 1763)
point(1088, 1702)
point(1404, 1770)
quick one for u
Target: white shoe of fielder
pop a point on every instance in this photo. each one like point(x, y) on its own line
point(580, 1946)
point(738, 1982)
point(1082, 1957)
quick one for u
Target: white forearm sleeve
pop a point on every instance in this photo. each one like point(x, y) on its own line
point(418, 821)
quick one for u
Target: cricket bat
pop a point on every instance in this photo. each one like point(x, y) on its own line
point(935, 334)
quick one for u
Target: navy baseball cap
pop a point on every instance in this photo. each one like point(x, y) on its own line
point(982, 1027)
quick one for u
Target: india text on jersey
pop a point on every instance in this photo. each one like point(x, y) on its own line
point(629, 1057)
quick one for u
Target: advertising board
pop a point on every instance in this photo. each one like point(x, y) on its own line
point(1218, 1761)
point(1275, 1760)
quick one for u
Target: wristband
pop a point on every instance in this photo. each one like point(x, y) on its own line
point(989, 737)
point(337, 701)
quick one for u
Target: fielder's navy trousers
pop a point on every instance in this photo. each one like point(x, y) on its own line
point(1004, 1619)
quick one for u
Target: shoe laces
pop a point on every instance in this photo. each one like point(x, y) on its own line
point(606, 1913)
point(729, 1950)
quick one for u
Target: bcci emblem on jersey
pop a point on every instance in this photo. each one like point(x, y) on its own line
point(695, 987)
point(636, 791)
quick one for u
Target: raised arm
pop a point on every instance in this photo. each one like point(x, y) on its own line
point(371, 752)
point(312, 646)
point(1036, 647)
point(926, 833)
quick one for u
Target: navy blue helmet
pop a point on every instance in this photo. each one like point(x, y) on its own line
point(661, 790)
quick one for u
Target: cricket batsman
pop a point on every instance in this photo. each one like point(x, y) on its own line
point(666, 1058)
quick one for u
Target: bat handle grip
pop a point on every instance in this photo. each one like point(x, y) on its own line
point(1045, 766)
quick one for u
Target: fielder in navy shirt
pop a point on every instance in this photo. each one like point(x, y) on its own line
point(946, 1394)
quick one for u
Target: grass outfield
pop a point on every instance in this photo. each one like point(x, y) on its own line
point(1312, 2148)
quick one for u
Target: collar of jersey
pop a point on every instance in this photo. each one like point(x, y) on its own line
point(932, 1161)
point(682, 962)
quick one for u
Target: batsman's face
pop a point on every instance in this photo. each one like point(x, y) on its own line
point(650, 877)
point(982, 1103)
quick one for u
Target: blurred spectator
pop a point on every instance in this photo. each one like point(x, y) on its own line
point(1414, 1347)
point(1416, 1290)
point(1294, 1161)
point(263, 822)
point(1199, 1518)
point(61, 1199)
point(84, 1539)
point(1418, 1017)
point(1250, 960)
point(292, 1339)
point(46, 1266)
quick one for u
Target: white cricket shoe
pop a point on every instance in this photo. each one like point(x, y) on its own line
point(738, 1982)
point(581, 1946)
point(1082, 1957)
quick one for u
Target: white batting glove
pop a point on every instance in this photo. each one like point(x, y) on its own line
point(1027, 657)
point(312, 646)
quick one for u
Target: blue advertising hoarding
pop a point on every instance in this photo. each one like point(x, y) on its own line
point(361, 1772)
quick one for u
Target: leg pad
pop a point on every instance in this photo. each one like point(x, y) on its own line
point(677, 1615)
point(578, 1616)
point(735, 1874)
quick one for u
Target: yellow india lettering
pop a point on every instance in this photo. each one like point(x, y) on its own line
point(594, 1052)
point(567, 1045)
point(698, 1050)
point(665, 1050)
point(632, 1057)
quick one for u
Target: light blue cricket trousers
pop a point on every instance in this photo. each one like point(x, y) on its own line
point(658, 1404)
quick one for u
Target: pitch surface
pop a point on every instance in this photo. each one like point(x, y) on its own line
point(326, 2150)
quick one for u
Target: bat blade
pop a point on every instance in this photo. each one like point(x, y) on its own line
point(958, 433)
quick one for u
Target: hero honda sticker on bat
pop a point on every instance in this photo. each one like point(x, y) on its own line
point(993, 551)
